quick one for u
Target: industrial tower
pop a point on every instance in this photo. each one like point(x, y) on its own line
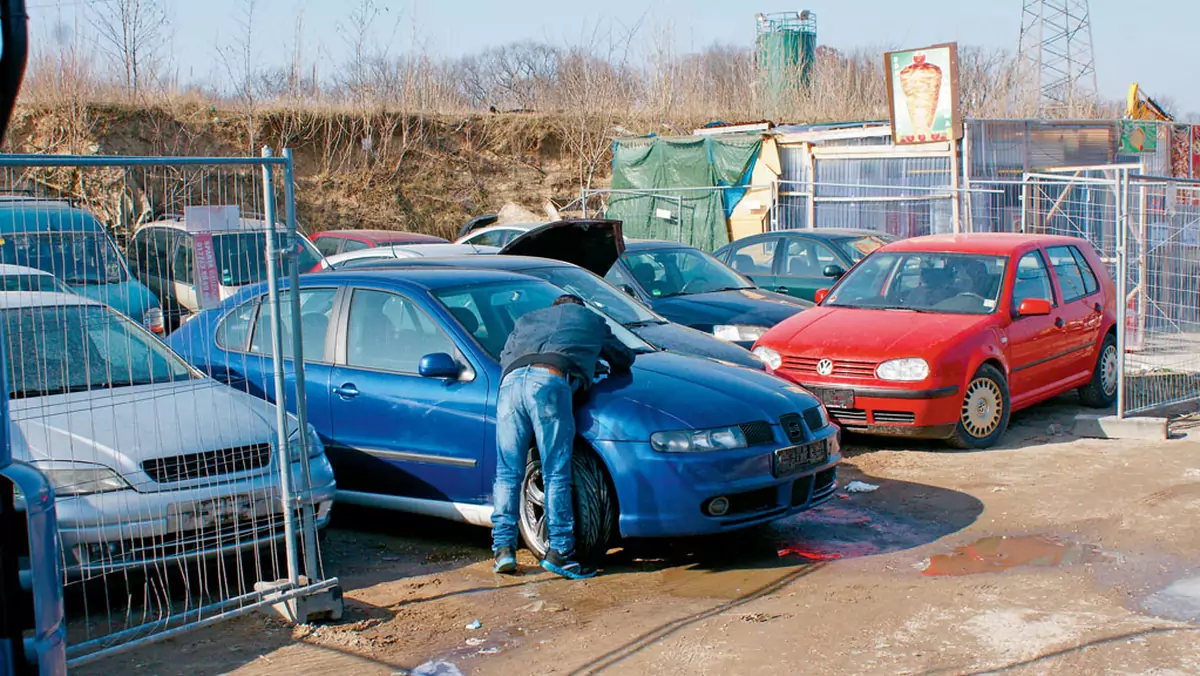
point(1058, 62)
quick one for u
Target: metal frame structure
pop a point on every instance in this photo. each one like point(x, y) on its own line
point(1056, 50)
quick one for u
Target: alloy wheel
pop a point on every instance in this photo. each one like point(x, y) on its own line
point(983, 408)
point(1108, 370)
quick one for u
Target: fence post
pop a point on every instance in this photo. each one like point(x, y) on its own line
point(583, 192)
point(307, 518)
point(281, 434)
point(1122, 285)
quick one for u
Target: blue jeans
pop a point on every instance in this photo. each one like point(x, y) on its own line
point(536, 405)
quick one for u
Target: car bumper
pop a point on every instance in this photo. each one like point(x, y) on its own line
point(665, 494)
point(109, 532)
point(919, 414)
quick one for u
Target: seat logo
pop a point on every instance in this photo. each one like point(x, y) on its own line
point(825, 367)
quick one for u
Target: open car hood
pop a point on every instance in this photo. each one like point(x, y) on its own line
point(593, 244)
point(477, 223)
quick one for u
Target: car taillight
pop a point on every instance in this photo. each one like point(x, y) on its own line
point(153, 320)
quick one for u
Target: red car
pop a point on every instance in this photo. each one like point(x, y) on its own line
point(334, 242)
point(943, 337)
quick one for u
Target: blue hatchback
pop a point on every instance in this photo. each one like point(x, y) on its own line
point(402, 378)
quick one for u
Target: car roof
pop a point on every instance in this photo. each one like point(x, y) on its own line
point(428, 278)
point(502, 262)
point(998, 243)
point(9, 269)
point(19, 299)
point(651, 244)
point(383, 236)
point(247, 225)
point(31, 215)
point(830, 233)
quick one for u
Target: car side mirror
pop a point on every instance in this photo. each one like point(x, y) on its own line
point(820, 296)
point(438, 365)
point(628, 290)
point(1034, 307)
point(834, 271)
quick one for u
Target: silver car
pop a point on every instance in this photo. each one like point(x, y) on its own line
point(151, 461)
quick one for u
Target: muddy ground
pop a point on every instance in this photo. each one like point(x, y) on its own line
point(1053, 554)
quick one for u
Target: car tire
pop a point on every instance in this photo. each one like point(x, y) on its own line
point(595, 507)
point(1101, 391)
point(986, 408)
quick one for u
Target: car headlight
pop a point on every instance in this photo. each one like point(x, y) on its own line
point(153, 320)
point(906, 370)
point(769, 357)
point(693, 441)
point(71, 478)
point(315, 447)
point(737, 333)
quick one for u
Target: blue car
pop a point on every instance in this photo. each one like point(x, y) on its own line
point(402, 379)
point(69, 243)
point(690, 287)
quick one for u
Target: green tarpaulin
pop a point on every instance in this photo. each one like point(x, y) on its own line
point(694, 179)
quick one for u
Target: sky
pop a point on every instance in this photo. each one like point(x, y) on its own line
point(1133, 43)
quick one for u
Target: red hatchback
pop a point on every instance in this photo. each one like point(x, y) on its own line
point(944, 336)
point(333, 242)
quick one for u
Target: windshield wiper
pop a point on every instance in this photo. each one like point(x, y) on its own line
point(645, 322)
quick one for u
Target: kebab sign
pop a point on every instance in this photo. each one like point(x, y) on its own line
point(922, 89)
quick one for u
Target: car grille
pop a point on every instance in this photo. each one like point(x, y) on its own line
point(813, 418)
point(842, 368)
point(851, 415)
point(758, 432)
point(208, 464)
point(894, 417)
point(793, 427)
point(814, 487)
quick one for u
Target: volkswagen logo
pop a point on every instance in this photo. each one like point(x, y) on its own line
point(825, 367)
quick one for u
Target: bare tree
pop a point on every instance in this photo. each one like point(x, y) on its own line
point(240, 62)
point(132, 34)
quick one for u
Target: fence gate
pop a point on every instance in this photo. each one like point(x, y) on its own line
point(182, 500)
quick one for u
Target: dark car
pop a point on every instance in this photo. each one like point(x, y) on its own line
point(546, 257)
point(690, 287)
point(800, 262)
point(333, 242)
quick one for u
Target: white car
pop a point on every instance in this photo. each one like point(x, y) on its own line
point(496, 235)
point(367, 256)
point(21, 278)
point(151, 461)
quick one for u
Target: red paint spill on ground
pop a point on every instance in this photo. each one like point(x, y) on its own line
point(996, 554)
point(810, 554)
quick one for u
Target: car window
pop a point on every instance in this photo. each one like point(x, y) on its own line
point(489, 311)
point(1033, 281)
point(241, 257)
point(316, 308)
point(156, 257)
point(618, 278)
point(1090, 283)
point(1066, 268)
point(355, 245)
point(806, 257)
point(754, 259)
point(490, 238)
point(663, 273)
point(233, 333)
point(596, 293)
point(924, 281)
point(328, 246)
point(185, 260)
point(388, 332)
point(59, 350)
point(28, 283)
point(74, 257)
point(859, 248)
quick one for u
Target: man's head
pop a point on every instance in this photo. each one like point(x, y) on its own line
point(568, 299)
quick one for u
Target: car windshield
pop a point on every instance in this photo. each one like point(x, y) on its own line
point(599, 294)
point(73, 257)
point(663, 273)
point(489, 311)
point(858, 248)
point(944, 283)
point(241, 257)
point(28, 282)
point(60, 349)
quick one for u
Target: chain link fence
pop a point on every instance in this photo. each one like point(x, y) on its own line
point(182, 500)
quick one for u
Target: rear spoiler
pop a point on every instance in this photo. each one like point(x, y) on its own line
point(14, 32)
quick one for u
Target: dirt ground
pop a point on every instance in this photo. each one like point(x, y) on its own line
point(1052, 554)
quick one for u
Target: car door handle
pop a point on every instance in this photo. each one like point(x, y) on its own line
point(1059, 322)
point(781, 289)
point(347, 391)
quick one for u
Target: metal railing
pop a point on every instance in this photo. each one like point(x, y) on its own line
point(186, 495)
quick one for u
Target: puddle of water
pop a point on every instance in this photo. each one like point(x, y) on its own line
point(1000, 553)
point(1179, 601)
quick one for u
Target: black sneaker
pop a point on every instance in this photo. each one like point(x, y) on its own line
point(566, 566)
point(506, 560)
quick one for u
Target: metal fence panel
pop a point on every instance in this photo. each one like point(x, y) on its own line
point(181, 500)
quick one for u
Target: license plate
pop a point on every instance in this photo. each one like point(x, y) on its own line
point(835, 398)
point(228, 510)
point(797, 458)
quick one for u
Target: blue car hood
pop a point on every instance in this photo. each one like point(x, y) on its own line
point(752, 307)
point(683, 340)
point(668, 392)
point(130, 297)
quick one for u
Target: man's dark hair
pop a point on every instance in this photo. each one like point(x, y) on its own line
point(568, 299)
